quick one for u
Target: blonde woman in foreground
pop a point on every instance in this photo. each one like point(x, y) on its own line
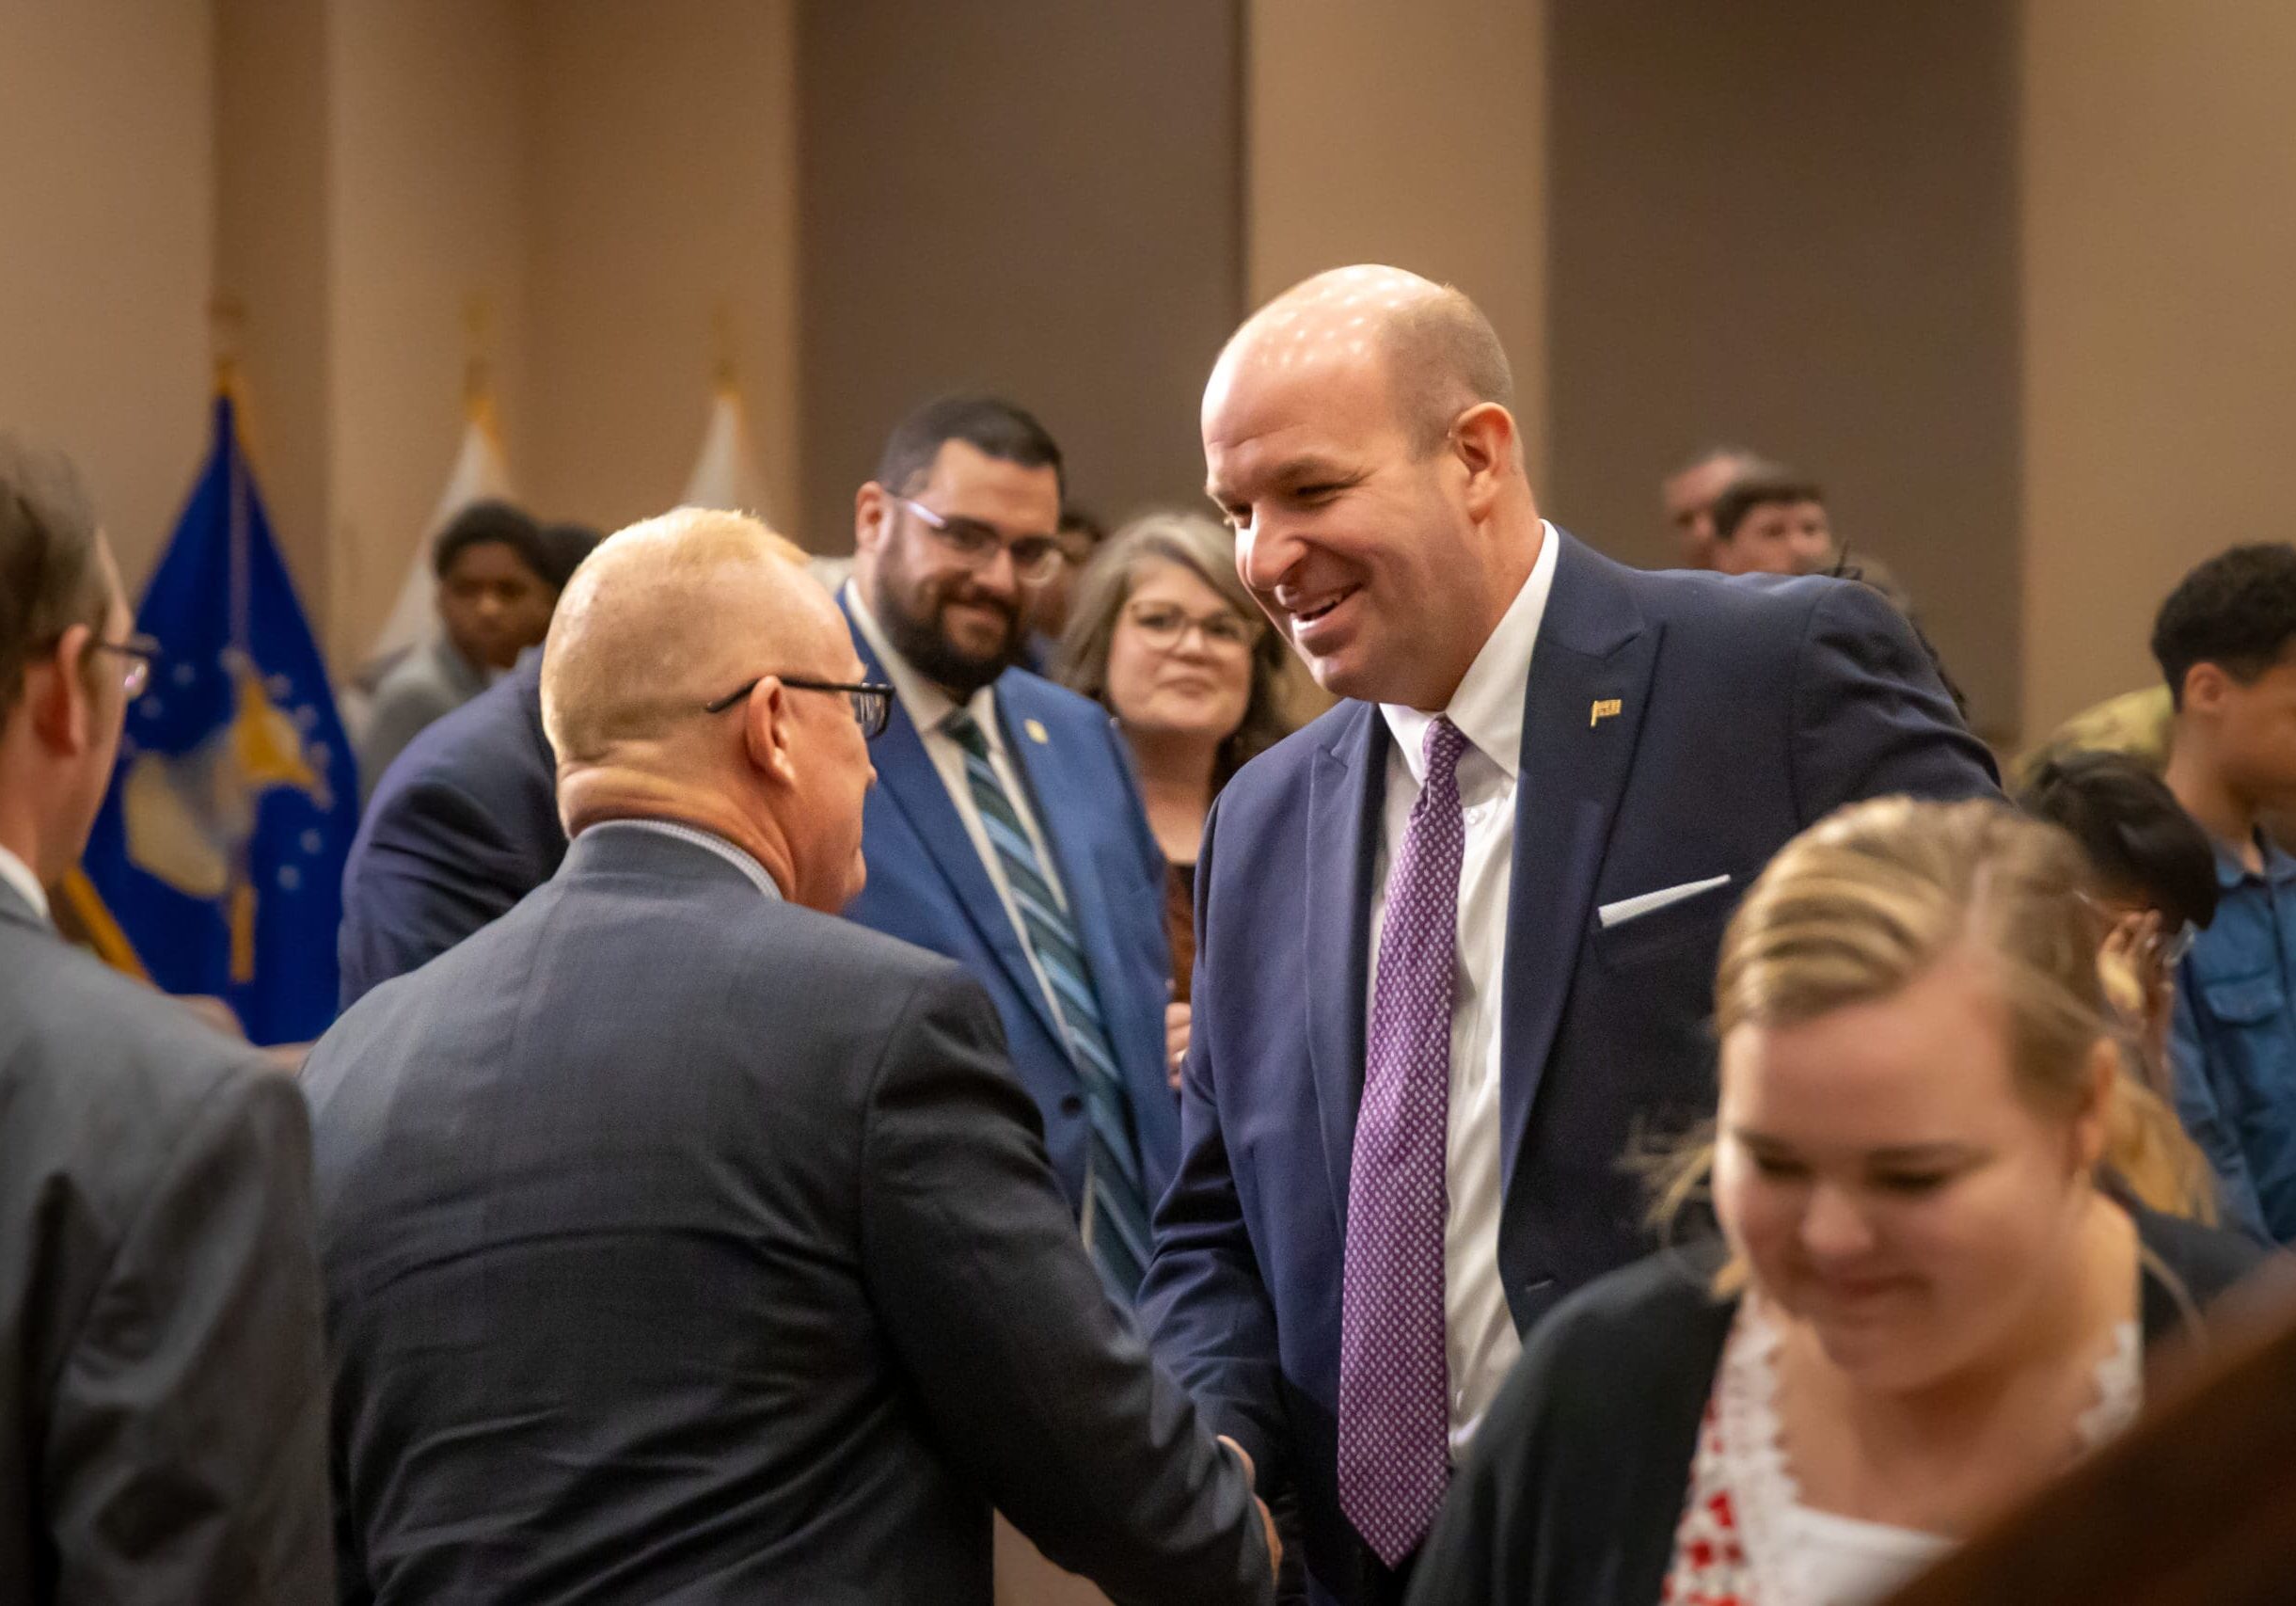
point(1952, 1231)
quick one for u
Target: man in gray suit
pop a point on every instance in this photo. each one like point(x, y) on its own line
point(684, 1241)
point(163, 1411)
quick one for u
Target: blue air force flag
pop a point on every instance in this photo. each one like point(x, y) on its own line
point(220, 848)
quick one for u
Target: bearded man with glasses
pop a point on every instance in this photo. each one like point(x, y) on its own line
point(1006, 830)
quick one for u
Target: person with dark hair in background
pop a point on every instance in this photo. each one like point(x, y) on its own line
point(1081, 535)
point(463, 824)
point(2156, 878)
point(1953, 1232)
point(1007, 832)
point(162, 1400)
point(494, 596)
point(564, 545)
point(1772, 523)
point(1689, 495)
point(2226, 641)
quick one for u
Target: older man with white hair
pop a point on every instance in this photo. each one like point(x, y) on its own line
point(684, 1241)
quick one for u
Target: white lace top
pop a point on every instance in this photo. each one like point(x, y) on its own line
point(1746, 1539)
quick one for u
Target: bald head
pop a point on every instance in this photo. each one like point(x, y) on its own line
point(1439, 353)
point(667, 616)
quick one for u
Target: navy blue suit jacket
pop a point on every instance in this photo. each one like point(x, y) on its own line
point(461, 827)
point(1746, 709)
point(928, 887)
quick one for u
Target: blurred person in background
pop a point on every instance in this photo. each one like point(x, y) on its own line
point(684, 1241)
point(496, 591)
point(162, 1402)
point(1688, 494)
point(463, 824)
point(1081, 535)
point(1771, 523)
point(1165, 636)
point(2226, 641)
point(2156, 883)
point(1008, 833)
point(1952, 1232)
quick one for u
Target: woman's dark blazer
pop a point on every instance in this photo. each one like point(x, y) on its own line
point(1574, 1487)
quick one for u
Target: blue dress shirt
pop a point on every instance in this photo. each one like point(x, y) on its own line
point(2235, 1042)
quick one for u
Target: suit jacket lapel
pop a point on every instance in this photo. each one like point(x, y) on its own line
point(1345, 791)
point(910, 781)
point(1594, 649)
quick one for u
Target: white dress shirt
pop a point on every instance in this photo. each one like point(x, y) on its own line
point(19, 875)
point(1482, 1343)
point(927, 705)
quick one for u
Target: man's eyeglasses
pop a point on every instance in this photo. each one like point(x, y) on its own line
point(872, 703)
point(1033, 557)
point(139, 651)
point(1163, 627)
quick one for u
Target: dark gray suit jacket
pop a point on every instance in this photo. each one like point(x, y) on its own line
point(163, 1410)
point(683, 1245)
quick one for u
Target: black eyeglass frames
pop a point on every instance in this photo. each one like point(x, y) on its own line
point(872, 703)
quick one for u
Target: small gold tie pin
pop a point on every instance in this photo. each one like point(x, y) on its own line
point(1603, 710)
point(1036, 732)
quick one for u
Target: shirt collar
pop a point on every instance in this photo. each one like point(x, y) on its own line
point(926, 704)
point(731, 853)
point(26, 886)
point(2279, 865)
point(1488, 705)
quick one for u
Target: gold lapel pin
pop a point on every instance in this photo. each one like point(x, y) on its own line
point(1035, 733)
point(1603, 710)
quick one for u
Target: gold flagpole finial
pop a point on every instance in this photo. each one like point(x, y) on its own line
point(724, 373)
point(226, 325)
point(478, 369)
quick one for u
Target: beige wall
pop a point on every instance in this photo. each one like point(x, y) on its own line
point(1033, 197)
point(427, 207)
point(271, 260)
point(2160, 305)
point(1793, 226)
point(106, 208)
point(662, 187)
point(1407, 135)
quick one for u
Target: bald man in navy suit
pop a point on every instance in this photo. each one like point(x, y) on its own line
point(1456, 938)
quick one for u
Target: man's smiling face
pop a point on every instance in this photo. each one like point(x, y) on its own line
point(1353, 540)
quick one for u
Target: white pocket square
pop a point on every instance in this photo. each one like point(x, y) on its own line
point(1627, 909)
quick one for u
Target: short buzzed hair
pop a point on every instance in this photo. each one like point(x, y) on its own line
point(51, 575)
point(594, 691)
point(1444, 358)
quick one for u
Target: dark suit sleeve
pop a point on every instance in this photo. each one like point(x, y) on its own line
point(1205, 1301)
point(1040, 1391)
point(436, 866)
point(186, 1459)
point(1870, 717)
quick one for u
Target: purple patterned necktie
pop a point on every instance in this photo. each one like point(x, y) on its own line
point(1394, 1371)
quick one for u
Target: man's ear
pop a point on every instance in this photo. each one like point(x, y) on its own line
point(1484, 440)
point(871, 508)
point(2205, 685)
point(765, 733)
point(57, 699)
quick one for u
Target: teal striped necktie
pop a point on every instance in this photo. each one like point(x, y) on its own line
point(1115, 1212)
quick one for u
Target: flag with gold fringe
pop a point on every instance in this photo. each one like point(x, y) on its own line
point(217, 860)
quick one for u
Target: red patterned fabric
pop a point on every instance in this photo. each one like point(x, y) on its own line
point(1709, 1566)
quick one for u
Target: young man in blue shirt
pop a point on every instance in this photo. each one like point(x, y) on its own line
point(2225, 639)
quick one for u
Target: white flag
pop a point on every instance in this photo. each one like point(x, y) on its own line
point(726, 475)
